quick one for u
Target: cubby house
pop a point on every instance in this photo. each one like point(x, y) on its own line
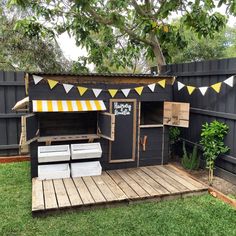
point(81, 124)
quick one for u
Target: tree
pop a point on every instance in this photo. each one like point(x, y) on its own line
point(117, 31)
point(18, 52)
point(221, 45)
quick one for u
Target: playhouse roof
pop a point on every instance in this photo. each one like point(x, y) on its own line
point(147, 75)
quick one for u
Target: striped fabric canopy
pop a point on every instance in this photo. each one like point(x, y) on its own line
point(68, 105)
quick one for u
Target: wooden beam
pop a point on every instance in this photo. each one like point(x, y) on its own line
point(62, 138)
point(217, 194)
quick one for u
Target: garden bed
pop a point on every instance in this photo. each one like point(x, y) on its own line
point(220, 184)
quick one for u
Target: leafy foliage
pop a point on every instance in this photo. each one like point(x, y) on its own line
point(222, 45)
point(19, 52)
point(115, 33)
point(190, 160)
point(174, 133)
point(212, 141)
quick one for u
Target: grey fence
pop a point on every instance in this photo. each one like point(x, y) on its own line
point(220, 106)
point(11, 90)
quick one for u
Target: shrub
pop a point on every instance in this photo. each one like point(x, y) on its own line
point(174, 133)
point(190, 160)
point(212, 141)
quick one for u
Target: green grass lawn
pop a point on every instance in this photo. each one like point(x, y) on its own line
point(202, 215)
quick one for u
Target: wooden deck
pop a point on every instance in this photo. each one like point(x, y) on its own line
point(113, 187)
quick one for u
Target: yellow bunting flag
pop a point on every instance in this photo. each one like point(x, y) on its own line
point(112, 92)
point(139, 90)
point(82, 90)
point(217, 87)
point(52, 83)
point(162, 83)
point(190, 89)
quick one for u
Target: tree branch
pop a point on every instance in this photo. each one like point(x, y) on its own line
point(122, 28)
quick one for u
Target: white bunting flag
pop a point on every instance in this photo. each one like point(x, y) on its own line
point(229, 81)
point(125, 92)
point(180, 85)
point(97, 92)
point(37, 79)
point(152, 87)
point(203, 90)
point(67, 87)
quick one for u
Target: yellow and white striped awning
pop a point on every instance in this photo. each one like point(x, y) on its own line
point(68, 105)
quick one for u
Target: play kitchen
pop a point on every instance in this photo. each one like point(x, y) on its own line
point(82, 124)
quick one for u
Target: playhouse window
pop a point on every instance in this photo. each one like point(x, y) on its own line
point(60, 123)
point(151, 113)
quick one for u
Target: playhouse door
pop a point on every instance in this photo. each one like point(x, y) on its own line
point(123, 148)
point(32, 128)
point(106, 126)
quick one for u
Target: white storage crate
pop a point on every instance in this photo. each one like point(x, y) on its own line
point(86, 169)
point(86, 150)
point(53, 153)
point(55, 171)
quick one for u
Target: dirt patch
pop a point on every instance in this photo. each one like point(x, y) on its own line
point(220, 184)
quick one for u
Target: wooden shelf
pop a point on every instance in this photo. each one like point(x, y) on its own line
point(151, 126)
point(61, 138)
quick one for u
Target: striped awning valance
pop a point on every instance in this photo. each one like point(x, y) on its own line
point(68, 105)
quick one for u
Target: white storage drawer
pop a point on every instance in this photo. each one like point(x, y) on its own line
point(86, 169)
point(55, 171)
point(86, 150)
point(53, 153)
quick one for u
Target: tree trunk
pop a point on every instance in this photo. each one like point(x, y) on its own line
point(160, 59)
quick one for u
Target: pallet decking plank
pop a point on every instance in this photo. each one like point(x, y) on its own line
point(49, 195)
point(176, 177)
point(147, 187)
point(112, 187)
point(107, 193)
point(120, 195)
point(72, 192)
point(152, 172)
point(191, 180)
point(172, 181)
point(83, 191)
point(133, 184)
point(61, 195)
point(130, 193)
point(93, 189)
point(37, 195)
point(152, 182)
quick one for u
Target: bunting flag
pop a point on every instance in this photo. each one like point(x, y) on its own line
point(37, 79)
point(173, 81)
point(52, 83)
point(229, 81)
point(190, 89)
point(203, 90)
point(82, 90)
point(139, 90)
point(217, 87)
point(162, 83)
point(180, 85)
point(67, 87)
point(97, 92)
point(152, 87)
point(125, 92)
point(112, 92)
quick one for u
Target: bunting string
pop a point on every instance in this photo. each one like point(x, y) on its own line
point(139, 90)
point(215, 87)
point(97, 91)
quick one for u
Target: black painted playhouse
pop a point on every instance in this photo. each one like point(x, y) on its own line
point(123, 113)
